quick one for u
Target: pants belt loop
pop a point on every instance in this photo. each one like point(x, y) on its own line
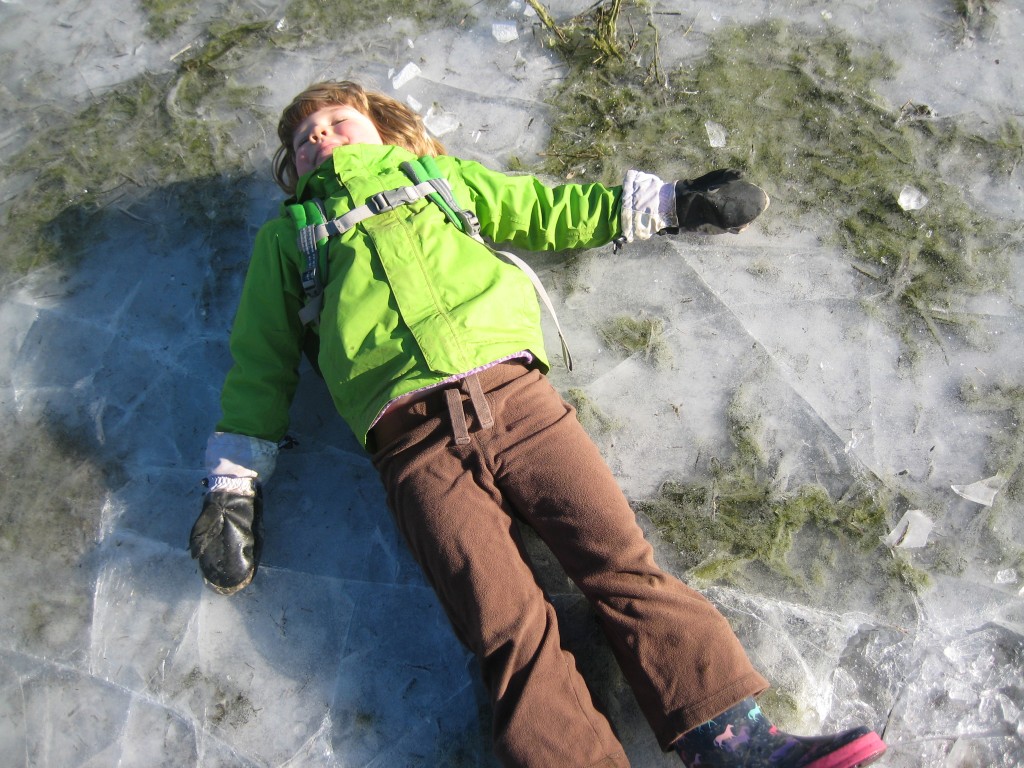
point(480, 405)
point(457, 415)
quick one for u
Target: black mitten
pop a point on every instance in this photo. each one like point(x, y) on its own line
point(716, 203)
point(227, 539)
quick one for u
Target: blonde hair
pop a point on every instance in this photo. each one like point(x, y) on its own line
point(396, 123)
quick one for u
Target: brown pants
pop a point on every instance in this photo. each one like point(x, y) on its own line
point(458, 471)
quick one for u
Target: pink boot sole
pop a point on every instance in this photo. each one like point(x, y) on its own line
point(862, 751)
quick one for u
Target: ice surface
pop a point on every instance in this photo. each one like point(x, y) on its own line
point(505, 31)
point(408, 73)
point(440, 123)
point(982, 491)
point(112, 653)
point(911, 531)
point(717, 134)
point(912, 199)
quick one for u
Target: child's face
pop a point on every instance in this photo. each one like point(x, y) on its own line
point(316, 137)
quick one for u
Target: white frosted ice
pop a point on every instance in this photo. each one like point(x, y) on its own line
point(911, 531)
point(983, 491)
point(912, 199)
point(440, 122)
point(717, 134)
point(1007, 576)
point(505, 31)
point(407, 74)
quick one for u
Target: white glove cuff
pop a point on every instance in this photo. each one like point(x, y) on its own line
point(241, 486)
point(648, 205)
point(234, 455)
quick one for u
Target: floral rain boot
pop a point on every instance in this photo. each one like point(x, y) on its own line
point(743, 736)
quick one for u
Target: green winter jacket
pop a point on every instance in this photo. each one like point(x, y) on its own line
point(409, 300)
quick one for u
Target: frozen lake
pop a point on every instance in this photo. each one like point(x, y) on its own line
point(819, 421)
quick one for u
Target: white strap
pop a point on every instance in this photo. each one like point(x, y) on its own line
point(539, 287)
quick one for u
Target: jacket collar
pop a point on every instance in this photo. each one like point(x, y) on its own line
point(350, 160)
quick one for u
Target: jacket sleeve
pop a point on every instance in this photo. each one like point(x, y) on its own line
point(524, 211)
point(266, 339)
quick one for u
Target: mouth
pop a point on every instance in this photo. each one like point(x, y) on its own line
point(324, 152)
